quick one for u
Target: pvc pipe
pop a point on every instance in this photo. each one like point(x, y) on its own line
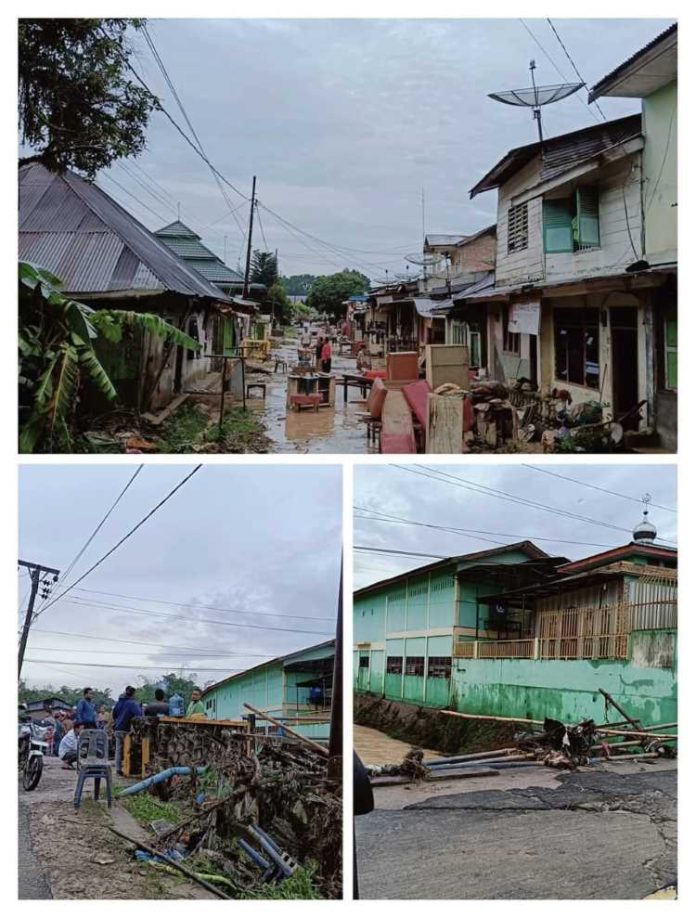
point(161, 776)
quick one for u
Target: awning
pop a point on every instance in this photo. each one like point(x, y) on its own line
point(432, 309)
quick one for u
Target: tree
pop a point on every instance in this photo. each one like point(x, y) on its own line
point(57, 336)
point(172, 685)
point(328, 293)
point(298, 284)
point(79, 106)
point(277, 304)
point(264, 268)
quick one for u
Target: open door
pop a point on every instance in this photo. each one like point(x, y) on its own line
point(624, 361)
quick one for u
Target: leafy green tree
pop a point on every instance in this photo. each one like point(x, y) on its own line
point(277, 304)
point(70, 694)
point(79, 106)
point(57, 336)
point(172, 685)
point(298, 284)
point(328, 293)
point(264, 268)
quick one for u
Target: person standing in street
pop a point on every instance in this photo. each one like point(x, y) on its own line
point(125, 709)
point(86, 713)
point(160, 706)
point(326, 355)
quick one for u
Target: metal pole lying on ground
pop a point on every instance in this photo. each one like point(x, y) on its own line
point(509, 720)
point(187, 873)
point(322, 750)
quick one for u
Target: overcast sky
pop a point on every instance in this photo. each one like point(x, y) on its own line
point(407, 494)
point(346, 121)
point(263, 538)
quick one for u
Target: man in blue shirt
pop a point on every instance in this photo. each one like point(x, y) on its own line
point(125, 709)
point(86, 712)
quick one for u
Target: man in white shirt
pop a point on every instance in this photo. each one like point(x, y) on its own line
point(67, 751)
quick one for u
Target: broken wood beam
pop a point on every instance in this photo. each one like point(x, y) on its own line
point(642, 734)
point(322, 750)
point(622, 712)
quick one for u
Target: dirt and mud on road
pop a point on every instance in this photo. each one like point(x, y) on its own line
point(69, 855)
point(602, 832)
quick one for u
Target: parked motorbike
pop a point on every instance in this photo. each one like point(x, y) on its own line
point(32, 746)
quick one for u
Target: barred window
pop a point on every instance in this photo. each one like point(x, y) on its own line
point(395, 665)
point(415, 666)
point(364, 661)
point(439, 667)
point(518, 231)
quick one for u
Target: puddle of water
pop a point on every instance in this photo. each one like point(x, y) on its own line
point(329, 430)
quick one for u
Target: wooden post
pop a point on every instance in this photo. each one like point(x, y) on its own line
point(445, 424)
point(322, 750)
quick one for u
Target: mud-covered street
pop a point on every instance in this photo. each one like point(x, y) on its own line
point(69, 855)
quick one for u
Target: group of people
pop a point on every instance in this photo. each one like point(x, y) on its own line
point(323, 349)
point(89, 716)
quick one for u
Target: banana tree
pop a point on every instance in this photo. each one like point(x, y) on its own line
point(57, 338)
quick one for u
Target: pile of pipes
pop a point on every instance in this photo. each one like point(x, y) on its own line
point(250, 804)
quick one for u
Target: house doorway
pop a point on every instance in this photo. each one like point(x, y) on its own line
point(624, 361)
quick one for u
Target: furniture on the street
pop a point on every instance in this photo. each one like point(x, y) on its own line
point(93, 762)
point(256, 385)
point(312, 384)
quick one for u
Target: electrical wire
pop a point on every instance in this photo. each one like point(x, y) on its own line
point(125, 537)
point(111, 640)
point(197, 605)
point(155, 666)
point(572, 64)
point(586, 484)
point(130, 194)
point(149, 613)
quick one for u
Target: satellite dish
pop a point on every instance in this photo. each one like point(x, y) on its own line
point(535, 96)
point(426, 259)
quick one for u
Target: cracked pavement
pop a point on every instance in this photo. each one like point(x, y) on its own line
point(609, 832)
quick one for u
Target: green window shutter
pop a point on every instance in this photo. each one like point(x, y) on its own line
point(558, 228)
point(587, 209)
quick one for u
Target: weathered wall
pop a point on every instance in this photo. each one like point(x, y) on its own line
point(568, 689)
point(660, 174)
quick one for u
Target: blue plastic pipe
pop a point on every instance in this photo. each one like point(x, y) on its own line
point(162, 776)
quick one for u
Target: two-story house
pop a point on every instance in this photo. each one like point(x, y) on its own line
point(651, 76)
point(513, 632)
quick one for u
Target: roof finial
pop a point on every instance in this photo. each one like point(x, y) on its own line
point(178, 210)
point(645, 531)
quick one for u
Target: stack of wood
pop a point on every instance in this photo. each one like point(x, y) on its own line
point(496, 421)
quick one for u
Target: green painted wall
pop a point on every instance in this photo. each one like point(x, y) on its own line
point(660, 173)
point(567, 690)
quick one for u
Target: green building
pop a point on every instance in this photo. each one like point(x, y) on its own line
point(295, 689)
point(514, 632)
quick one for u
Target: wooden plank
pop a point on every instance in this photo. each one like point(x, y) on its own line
point(445, 424)
point(447, 363)
point(322, 750)
point(397, 424)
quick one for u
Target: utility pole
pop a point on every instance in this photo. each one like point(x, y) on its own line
point(37, 572)
point(335, 768)
point(245, 291)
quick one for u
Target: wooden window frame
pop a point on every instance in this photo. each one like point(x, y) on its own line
point(511, 340)
point(517, 228)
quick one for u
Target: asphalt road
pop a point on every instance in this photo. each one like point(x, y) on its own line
point(595, 835)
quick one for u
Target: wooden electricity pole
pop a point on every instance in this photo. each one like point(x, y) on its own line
point(245, 291)
point(37, 573)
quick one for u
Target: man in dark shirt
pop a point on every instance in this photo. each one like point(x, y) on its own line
point(86, 712)
point(125, 709)
point(157, 707)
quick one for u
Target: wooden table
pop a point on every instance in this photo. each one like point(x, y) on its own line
point(356, 381)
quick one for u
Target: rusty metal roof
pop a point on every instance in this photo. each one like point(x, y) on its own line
point(561, 153)
point(80, 234)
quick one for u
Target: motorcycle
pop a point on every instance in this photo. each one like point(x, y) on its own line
point(32, 746)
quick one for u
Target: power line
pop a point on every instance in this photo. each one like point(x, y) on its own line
point(586, 484)
point(397, 551)
point(468, 485)
point(171, 647)
point(135, 197)
point(459, 531)
point(197, 654)
point(101, 523)
point(572, 64)
point(146, 187)
point(125, 537)
point(155, 666)
point(197, 605)
point(129, 610)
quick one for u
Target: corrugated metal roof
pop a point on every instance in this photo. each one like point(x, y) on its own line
point(187, 245)
point(444, 238)
point(74, 229)
point(431, 308)
point(599, 88)
point(562, 152)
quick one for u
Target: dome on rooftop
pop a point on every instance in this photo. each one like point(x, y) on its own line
point(645, 531)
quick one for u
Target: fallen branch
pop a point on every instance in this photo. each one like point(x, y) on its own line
point(298, 736)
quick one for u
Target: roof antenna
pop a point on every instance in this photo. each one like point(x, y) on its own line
point(535, 96)
point(178, 210)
